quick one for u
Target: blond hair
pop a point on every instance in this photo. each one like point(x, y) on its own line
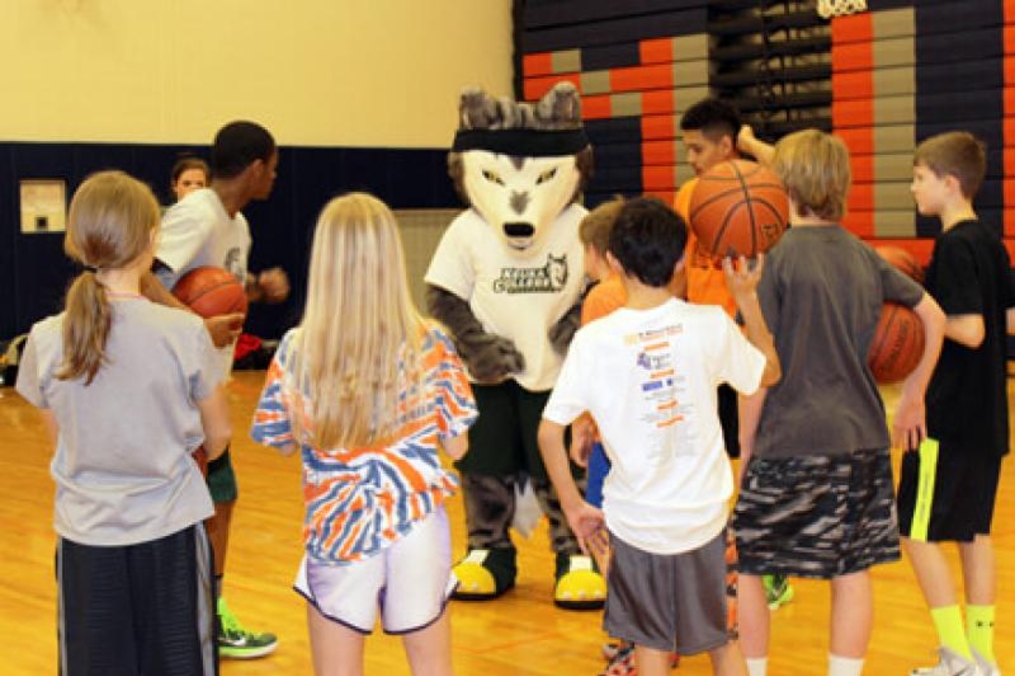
point(958, 154)
point(594, 230)
point(359, 344)
point(814, 168)
point(111, 221)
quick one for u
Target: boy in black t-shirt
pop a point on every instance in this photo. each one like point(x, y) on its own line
point(948, 487)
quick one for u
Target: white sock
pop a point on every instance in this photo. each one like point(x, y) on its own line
point(844, 666)
point(757, 666)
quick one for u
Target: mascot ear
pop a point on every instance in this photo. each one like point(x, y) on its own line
point(477, 109)
point(560, 108)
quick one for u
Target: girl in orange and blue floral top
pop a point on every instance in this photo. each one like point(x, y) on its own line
point(368, 391)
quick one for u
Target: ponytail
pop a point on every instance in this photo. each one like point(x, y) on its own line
point(85, 329)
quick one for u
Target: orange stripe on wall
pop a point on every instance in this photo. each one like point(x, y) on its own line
point(856, 56)
point(535, 87)
point(859, 113)
point(654, 103)
point(859, 140)
point(1009, 222)
point(537, 64)
point(861, 197)
point(656, 51)
point(658, 178)
point(860, 223)
point(1009, 159)
point(659, 152)
point(657, 126)
point(921, 247)
point(852, 85)
point(597, 107)
point(863, 168)
point(665, 195)
point(855, 28)
point(638, 78)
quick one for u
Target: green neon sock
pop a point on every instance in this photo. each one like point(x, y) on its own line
point(980, 624)
point(948, 622)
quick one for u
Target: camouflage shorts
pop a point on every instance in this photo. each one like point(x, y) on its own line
point(817, 516)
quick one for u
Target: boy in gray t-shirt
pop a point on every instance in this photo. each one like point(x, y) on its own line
point(816, 499)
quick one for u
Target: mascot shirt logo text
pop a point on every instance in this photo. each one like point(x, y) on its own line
point(549, 278)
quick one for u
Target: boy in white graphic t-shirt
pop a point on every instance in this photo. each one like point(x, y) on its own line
point(648, 375)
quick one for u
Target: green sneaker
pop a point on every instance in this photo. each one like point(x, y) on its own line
point(778, 591)
point(238, 643)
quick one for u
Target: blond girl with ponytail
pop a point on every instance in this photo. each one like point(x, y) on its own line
point(129, 389)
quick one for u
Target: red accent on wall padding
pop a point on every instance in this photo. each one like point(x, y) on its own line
point(655, 103)
point(859, 113)
point(657, 127)
point(659, 152)
point(860, 223)
point(1009, 222)
point(656, 51)
point(855, 28)
point(852, 85)
point(658, 178)
point(1009, 158)
point(860, 140)
point(535, 87)
point(597, 107)
point(537, 64)
point(640, 78)
point(861, 197)
point(863, 168)
point(853, 56)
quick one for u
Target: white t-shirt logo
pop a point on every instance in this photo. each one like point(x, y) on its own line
point(549, 278)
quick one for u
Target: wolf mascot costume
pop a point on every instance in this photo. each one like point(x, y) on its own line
point(506, 280)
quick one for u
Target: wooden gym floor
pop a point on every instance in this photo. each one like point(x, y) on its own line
point(522, 633)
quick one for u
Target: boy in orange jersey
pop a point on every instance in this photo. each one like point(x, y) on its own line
point(712, 134)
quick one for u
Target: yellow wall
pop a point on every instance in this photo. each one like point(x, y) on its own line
point(315, 72)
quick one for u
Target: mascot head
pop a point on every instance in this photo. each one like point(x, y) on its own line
point(520, 164)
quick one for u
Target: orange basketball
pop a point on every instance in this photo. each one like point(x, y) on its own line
point(897, 345)
point(738, 208)
point(902, 260)
point(211, 291)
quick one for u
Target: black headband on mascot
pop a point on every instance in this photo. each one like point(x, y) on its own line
point(522, 142)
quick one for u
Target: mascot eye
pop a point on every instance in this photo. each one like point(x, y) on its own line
point(492, 177)
point(546, 176)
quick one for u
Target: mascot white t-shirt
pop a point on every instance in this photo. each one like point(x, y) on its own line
point(517, 294)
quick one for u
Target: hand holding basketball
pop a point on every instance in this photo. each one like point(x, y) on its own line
point(741, 277)
point(219, 297)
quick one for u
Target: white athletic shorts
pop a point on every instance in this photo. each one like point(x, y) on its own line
point(410, 582)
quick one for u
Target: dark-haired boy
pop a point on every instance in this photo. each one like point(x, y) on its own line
point(648, 374)
point(948, 488)
point(207, 228)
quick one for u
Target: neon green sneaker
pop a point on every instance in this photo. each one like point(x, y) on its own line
point(238, 643)
point(778, 591)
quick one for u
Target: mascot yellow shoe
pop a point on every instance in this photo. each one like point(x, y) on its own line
point(485, 574)
point(580, 586)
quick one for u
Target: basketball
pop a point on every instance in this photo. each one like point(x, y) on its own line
point(903, 261)
point(738, 208)
point(211, 291)
point(897, 345)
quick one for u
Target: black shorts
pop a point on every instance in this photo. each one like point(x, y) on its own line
point(954, 501)
point(222, 479)
point(137, 609)
point(817, 516)
point(502, 442)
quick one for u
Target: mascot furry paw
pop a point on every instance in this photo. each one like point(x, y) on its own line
point(506, 280)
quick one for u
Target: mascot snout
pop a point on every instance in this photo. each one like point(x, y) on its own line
point(519, 234)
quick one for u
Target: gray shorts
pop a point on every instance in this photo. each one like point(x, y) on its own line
point(668, 602)
point(818, 516)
